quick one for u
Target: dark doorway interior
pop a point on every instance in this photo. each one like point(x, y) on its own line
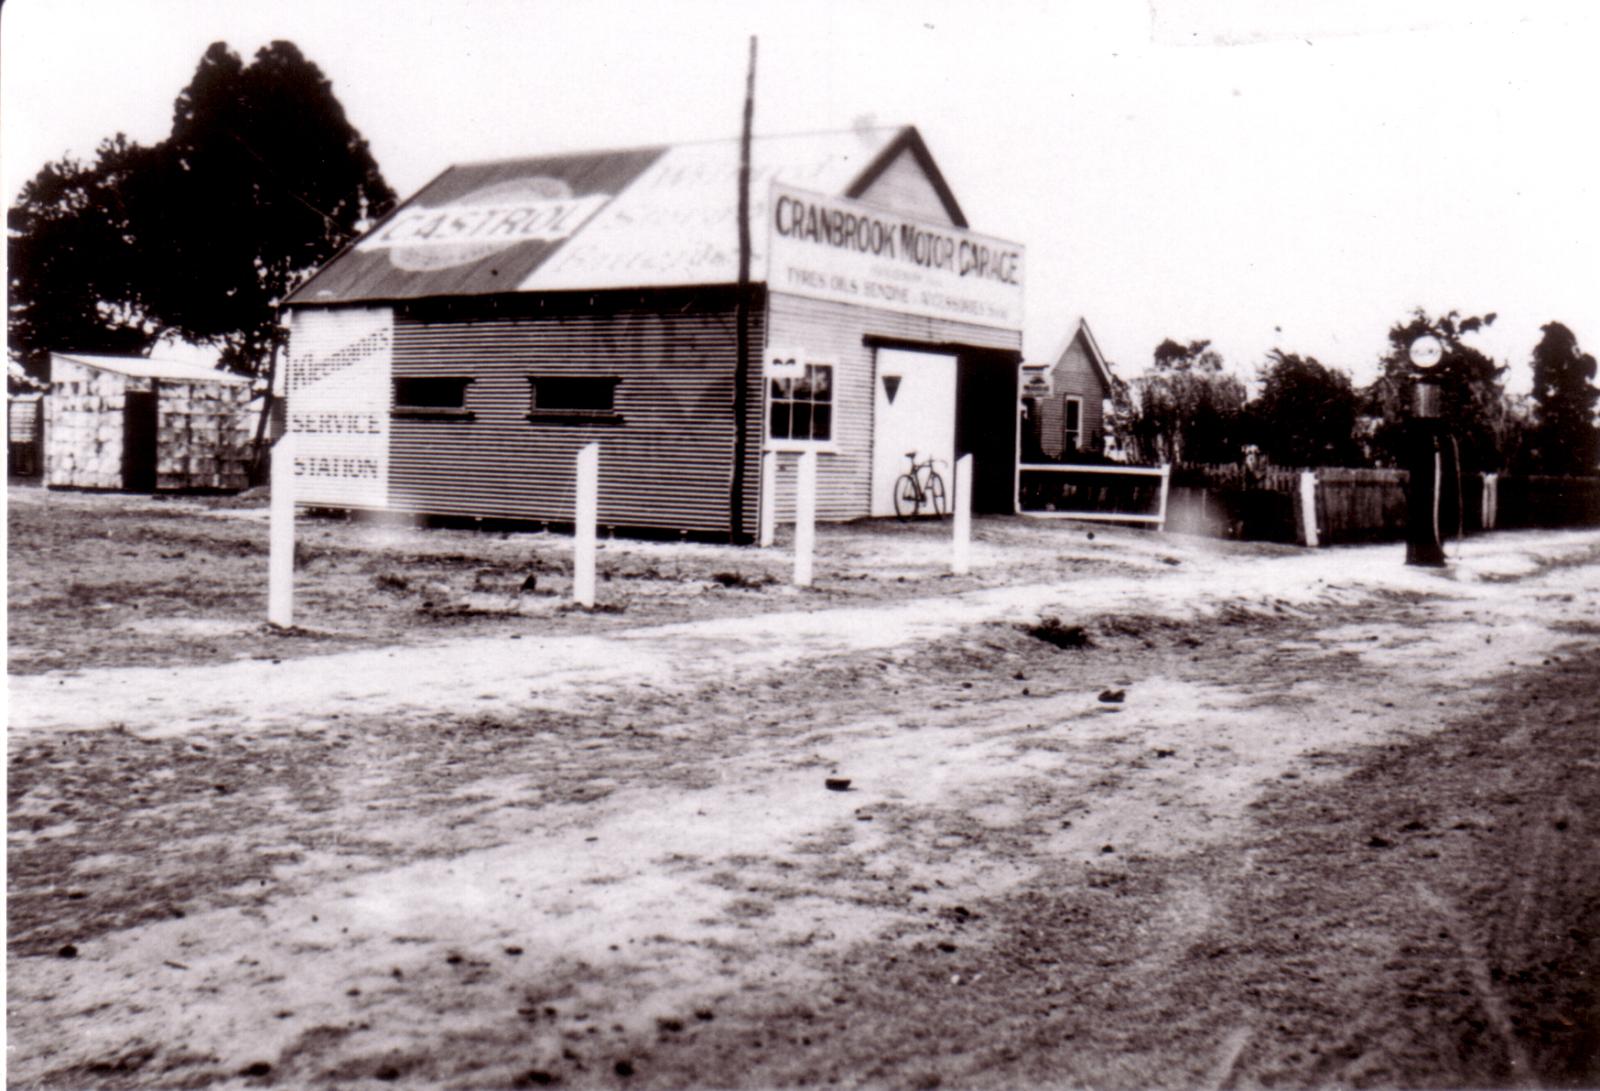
point(986, 425)
point(139, 441)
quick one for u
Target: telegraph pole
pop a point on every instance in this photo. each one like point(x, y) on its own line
point(741, 370)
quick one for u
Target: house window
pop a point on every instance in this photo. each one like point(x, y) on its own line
point(573, 399)
point(802, 408)
point(432, 396)
point(1071, 423)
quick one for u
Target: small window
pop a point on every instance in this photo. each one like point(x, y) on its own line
point(1071, 423)
point(433, 396)
point(802, 409)
point(576, 399)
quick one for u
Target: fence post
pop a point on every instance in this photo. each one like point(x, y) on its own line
point(1491, 500)
point(767, 533)
point(961, 564)
point(805, 519)
point(280, 554)
point(585, 511)
point(1308, 506)
point(1166, 480)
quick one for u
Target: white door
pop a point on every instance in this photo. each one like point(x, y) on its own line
point(914, 409)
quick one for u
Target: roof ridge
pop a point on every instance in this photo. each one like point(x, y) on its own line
point(625, 149)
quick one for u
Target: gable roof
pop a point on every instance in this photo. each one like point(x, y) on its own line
point(1097, 359)
point(633, 218)
point(140, 367)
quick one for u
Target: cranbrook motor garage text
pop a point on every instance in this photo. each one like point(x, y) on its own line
point(898, 239)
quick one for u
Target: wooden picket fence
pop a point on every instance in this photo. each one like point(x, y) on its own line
point(1352, 506)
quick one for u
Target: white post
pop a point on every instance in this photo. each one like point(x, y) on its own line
point(768, 531)
point(805, 519)
point(1166, 479)
point(280, 550)
point(585, 509)
point(1308, 506)
point(1491, 500)
point(962, 562)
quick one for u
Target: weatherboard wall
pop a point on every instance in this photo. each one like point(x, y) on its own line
point(845, 334)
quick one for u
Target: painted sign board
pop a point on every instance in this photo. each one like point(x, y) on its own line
point(785, 362)
point(338, 382)
point(836, 249)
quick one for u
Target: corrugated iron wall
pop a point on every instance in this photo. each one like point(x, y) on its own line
point(837, 331)
point(665, 464)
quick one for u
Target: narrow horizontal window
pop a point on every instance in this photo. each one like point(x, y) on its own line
point(432, 396)
point(573, 399)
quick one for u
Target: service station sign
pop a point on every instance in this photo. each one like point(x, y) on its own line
point(337, 382)
point(836, 249)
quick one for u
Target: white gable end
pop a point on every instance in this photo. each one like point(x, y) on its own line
point(904, 187)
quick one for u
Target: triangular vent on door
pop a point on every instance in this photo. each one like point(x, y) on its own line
point(891, 386)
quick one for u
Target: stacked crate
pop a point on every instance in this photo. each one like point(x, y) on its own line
point(203, 436)
point(204, 428)
point(83, 427)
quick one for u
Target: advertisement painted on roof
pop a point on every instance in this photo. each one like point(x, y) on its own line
point(840, 250)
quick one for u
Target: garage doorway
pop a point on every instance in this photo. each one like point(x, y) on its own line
point(914, 409)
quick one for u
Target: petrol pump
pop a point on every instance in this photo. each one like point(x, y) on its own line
point(1424, 541)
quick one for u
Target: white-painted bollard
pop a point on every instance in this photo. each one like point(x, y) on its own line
point(805, 519)
point(280, 550)
point(1491, 500)
point(1308, 506)
point(586, 507)
point(767, 533)
point(962, 562)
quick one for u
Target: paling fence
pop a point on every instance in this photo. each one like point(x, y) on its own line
point(1351, 506)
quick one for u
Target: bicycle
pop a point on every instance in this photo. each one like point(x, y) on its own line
point(921, 486)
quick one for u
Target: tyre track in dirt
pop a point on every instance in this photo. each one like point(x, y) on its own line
point(674, 844)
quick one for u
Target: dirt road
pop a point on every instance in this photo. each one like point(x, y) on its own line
point(1187, 817)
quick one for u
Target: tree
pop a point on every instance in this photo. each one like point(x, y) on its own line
point(73, 275)
point(1474, 408)
point(260, 181)
point(1305, 414)
point(1563, 439)
point(1187, 409)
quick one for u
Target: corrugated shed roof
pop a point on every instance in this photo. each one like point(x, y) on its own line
point(638, 218)
point(149, 368)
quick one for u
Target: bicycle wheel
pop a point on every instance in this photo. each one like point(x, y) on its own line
point(905, 497)
point(935, 493)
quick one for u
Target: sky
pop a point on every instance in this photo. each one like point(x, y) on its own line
point(1259, 173)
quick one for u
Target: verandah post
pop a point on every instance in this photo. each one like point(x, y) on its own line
point(280, 553)
point(961, 563)
point(768, 531)
point(805, 519)
point(585, 511)
point(1308, 507)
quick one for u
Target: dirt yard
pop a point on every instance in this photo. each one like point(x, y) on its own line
point(1124, 810)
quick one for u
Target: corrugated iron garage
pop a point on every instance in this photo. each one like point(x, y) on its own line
point(453, 360)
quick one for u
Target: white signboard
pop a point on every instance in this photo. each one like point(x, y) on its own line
point(338, 379)
point(785, 362)
point(841, 250)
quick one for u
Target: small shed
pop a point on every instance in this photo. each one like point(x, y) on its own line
point(24, 430)
point(1063, 402)
point(454, 360)
point(145, 425)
